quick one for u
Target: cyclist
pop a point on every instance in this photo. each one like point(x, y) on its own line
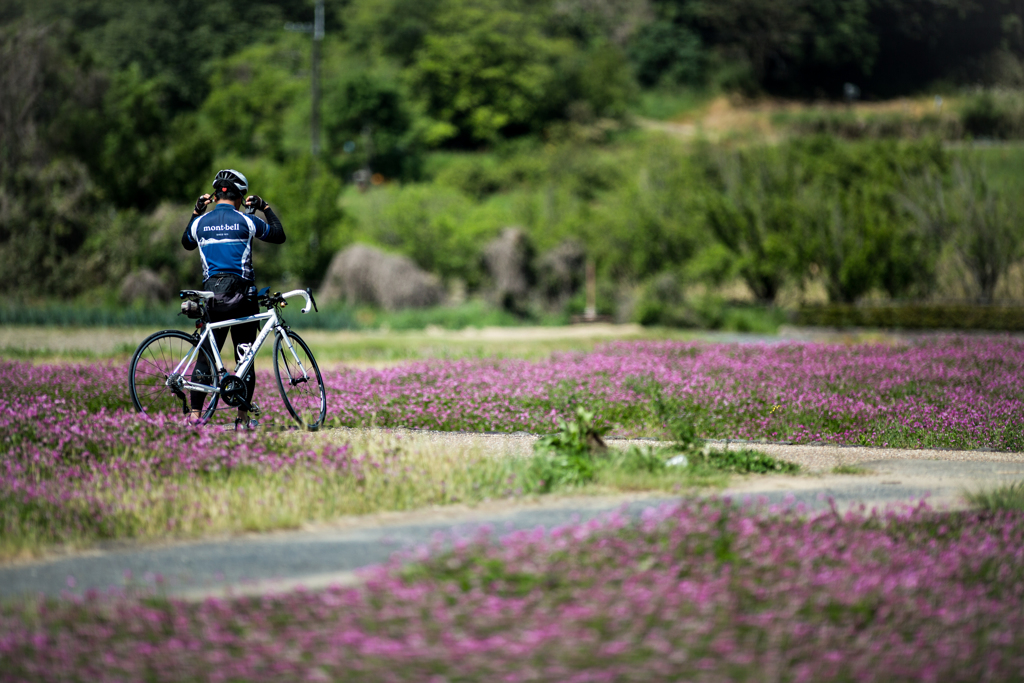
point(224, 238)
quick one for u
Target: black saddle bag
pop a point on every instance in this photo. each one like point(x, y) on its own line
point(232, 296)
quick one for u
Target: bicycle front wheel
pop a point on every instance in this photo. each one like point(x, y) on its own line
point(298, 378)
point(155, 387)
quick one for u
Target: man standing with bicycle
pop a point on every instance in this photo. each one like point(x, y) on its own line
point(224, 239)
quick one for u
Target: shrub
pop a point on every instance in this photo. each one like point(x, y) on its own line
point(742, 461)
point(368, 124)
point(915, 316)
point(664, 52)
point(1009, 497)
point(994, 115)
point(967, 212)
point(567, 458)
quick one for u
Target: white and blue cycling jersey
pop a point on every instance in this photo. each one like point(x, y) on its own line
point(224, 237)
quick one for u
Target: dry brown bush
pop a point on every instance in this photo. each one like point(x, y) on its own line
point(362, 274)
point(509, 261)
point(144, 285)
point(561, 273)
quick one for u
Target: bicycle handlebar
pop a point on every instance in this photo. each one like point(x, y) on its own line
point(305, 294)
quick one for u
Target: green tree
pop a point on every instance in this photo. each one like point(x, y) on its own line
point(666, 52)
point(750, 206)
point(172, 41)
point(600, 22)
point(853, 240)
point(306, 197)
point(142, 154)
point(484, 72)
point(980, 224)
point(764, 31)
point(596, 82)
point(439, 228)
point(649, 223)
point(842, 36)
point(392, 28)
point(48, 200)
point(368, 124)
point(254, 98)
point(860, 234)
point(791, 43)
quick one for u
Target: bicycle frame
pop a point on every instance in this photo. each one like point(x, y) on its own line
point(274, 324)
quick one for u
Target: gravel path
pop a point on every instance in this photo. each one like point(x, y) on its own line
point(812, 458)
point(822, 458)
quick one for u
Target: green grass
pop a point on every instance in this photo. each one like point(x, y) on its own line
point(408, 474)
point(638, 469)
point(741, 461)
point(663, 104)
point(1008, 497)
point(754, 319)
point(75, 315)
point(576, 457)
point(1004, 164)
point(850, 469)
point(525, 343)
point(471, 314)
point(371, 347)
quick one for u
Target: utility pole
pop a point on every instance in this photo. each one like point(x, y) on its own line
point(590, 310)
point(318, 36)
point(317, 29)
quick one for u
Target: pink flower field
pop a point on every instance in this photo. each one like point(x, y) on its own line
point(955, 392)
point(76, 458)
point(78, 462)
point(702, 592)
point(698, 592)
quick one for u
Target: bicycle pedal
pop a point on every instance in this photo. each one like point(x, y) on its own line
point(246, 424)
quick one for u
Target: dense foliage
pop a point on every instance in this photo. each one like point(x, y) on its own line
point(113, 114)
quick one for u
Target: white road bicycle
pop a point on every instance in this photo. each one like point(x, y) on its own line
point(164, 374)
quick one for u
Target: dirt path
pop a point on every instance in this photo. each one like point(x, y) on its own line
point(813, 459)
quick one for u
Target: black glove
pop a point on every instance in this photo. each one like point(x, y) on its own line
point(256, 202)
point(201, 204)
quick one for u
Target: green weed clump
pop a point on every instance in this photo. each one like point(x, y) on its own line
point(743, 461)
point(1003, 498)
point(700, 457)
point(567, 458)
point(576, 456)
point(850, 469)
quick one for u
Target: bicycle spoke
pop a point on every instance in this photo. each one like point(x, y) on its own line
point(303, 393)
point(152, 366)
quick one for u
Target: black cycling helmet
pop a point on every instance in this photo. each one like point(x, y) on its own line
point(230, 181)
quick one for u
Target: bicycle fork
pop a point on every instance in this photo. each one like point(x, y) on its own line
point(294, 380)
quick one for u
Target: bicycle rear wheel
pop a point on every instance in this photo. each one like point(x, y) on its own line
point(155, 390)
point(303, 392)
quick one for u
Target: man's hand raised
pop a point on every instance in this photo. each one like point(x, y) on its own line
point(256, 202)
point(201, 204)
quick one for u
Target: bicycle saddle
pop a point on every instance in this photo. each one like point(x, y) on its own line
point(195, 294)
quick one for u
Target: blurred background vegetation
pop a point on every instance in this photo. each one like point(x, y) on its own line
point(718, 162)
